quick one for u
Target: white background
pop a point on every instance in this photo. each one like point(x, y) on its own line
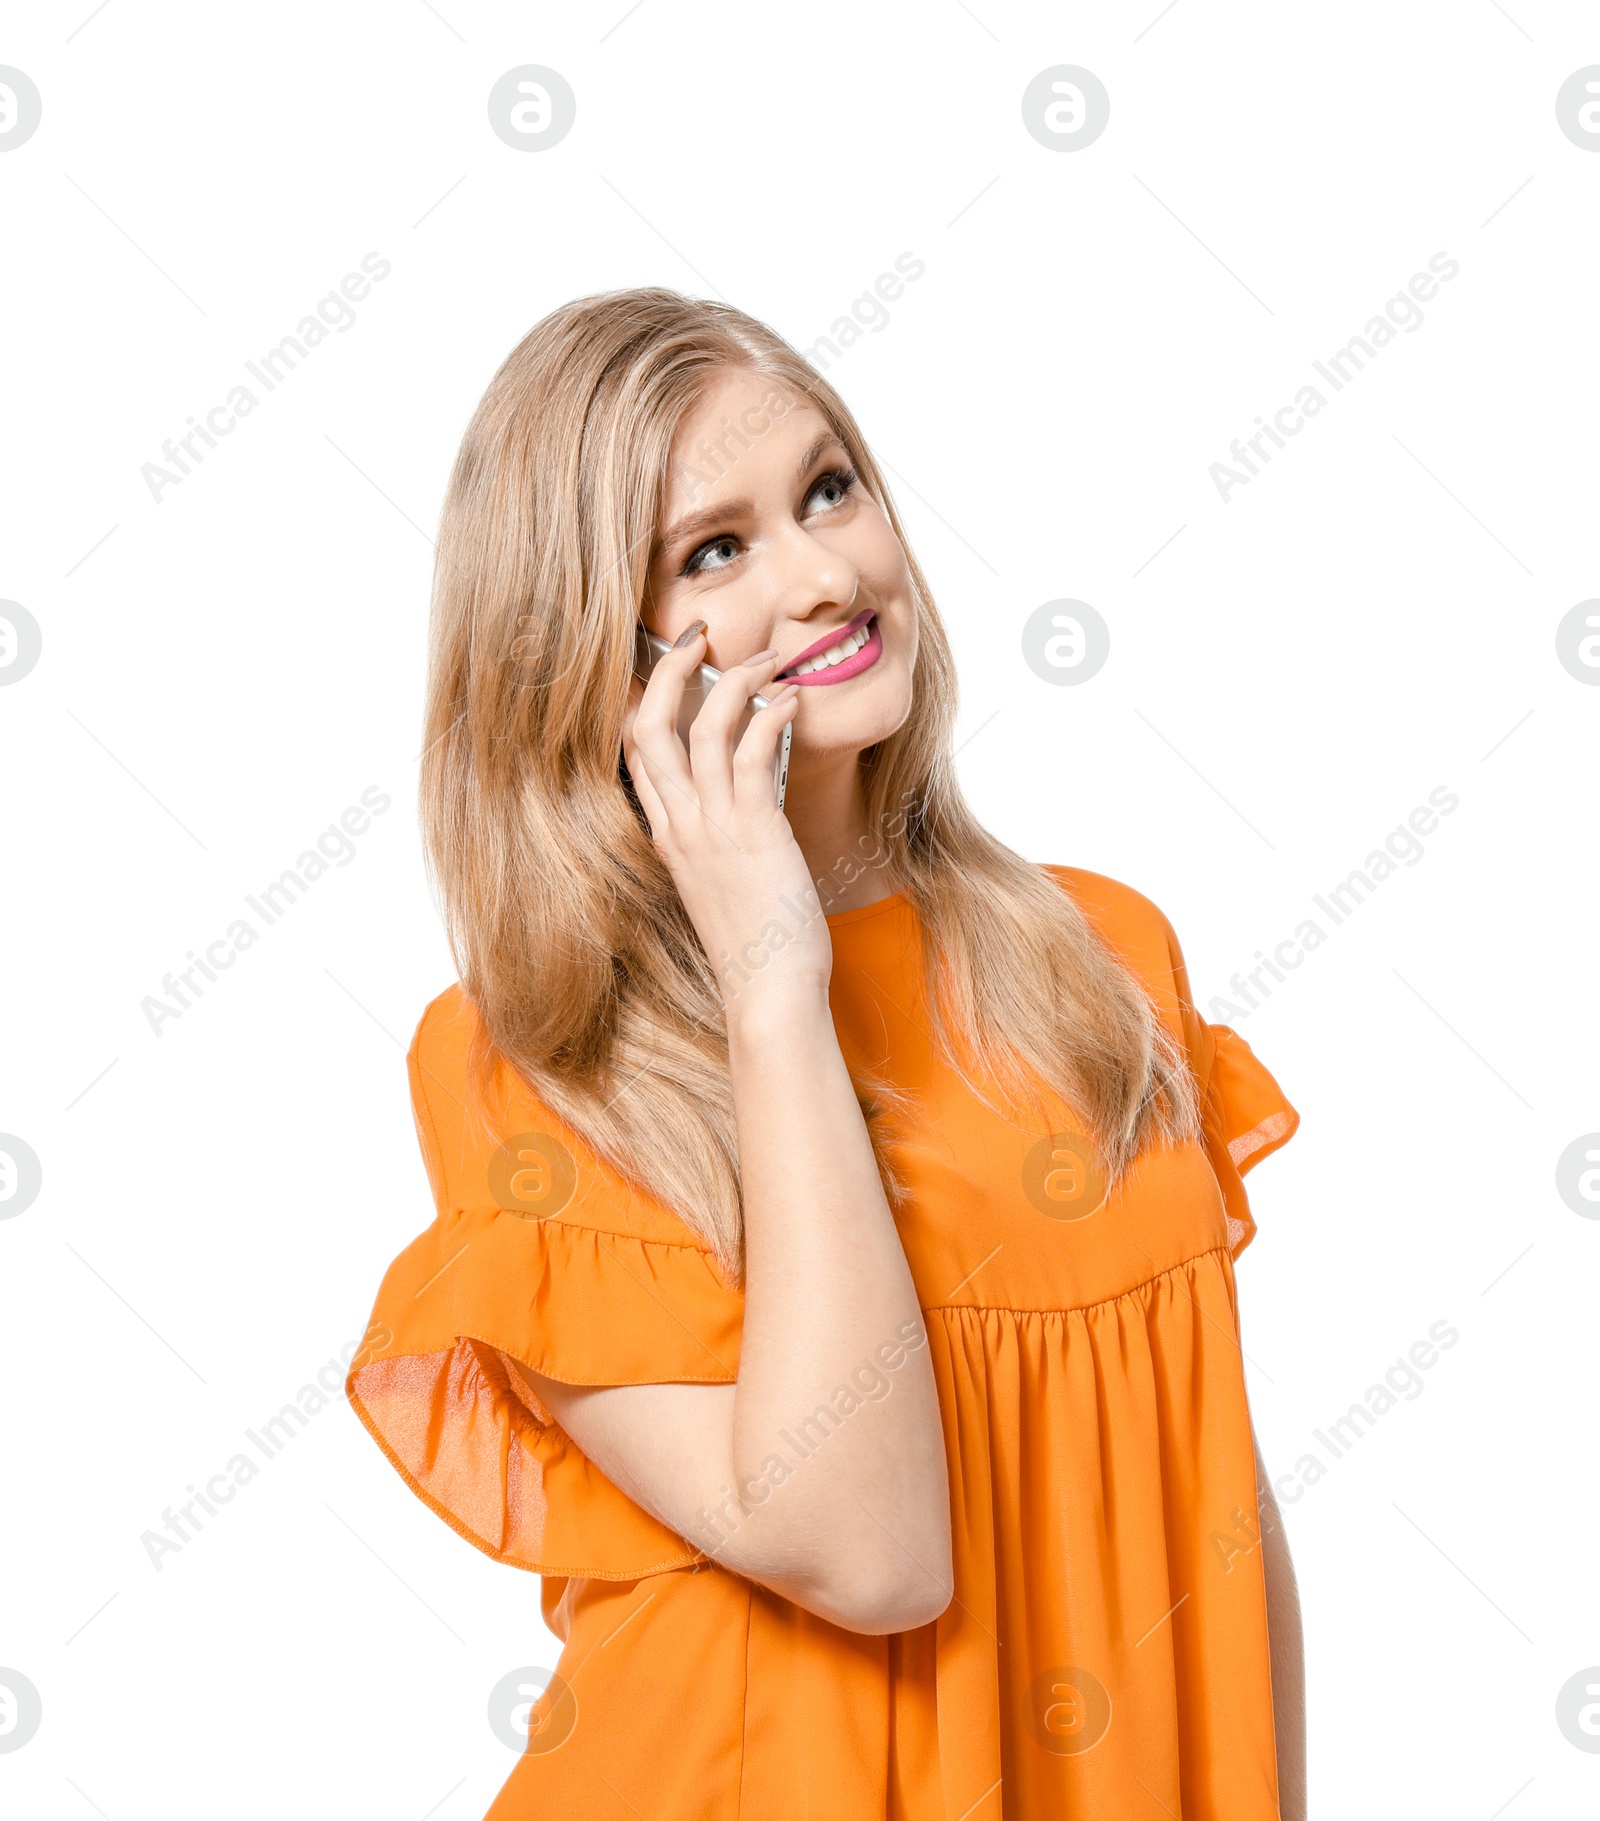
point(226, 670)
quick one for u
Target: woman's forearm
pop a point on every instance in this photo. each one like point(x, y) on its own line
point(829, 1304)
point(838, 1502)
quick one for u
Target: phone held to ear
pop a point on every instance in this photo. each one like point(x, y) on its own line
point(649, 651)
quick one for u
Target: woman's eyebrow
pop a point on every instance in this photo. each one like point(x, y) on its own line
point(708, 517)
point(815, 450)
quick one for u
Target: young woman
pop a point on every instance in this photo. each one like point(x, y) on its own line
point(832, 1293)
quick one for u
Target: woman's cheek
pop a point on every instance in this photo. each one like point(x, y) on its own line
point(880, 563)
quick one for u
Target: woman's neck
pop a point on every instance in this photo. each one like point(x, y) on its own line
point(827, 808)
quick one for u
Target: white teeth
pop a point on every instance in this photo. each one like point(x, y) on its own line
point(847, 647)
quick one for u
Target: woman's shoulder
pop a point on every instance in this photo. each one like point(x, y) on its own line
point(1246, 1113)
point(492, 1145)
point(1134, 925)
point(445, 1029)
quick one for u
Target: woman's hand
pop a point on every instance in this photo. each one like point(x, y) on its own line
point(714, 816)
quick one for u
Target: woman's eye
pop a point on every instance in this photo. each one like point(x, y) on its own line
point(833, 489)
point(716, 555)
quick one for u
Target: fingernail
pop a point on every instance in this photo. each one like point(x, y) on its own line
point(688, 637)
point(761, 657)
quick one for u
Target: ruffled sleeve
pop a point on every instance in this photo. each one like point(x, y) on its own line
point(538, 1255)
point(1244, 1111)
point(1246, 1117)
point(1245, 1114)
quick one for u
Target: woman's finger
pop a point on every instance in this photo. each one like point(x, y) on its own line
point(655, 725)
point(711, 738)
point(644, 790)
point(756, 755)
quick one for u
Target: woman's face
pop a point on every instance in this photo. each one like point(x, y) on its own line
point(767, 535)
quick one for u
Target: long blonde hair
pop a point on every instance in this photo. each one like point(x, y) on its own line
point(585, 971)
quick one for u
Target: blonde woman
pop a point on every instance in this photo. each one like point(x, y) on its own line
point(831, 1293)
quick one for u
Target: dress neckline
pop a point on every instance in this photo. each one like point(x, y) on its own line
point(876, 909)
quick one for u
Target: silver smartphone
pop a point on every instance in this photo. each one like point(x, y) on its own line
point(649, 650)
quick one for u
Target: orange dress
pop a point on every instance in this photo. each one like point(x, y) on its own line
point(1105, 1654)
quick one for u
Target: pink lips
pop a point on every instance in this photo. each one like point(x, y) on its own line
point(852, 666)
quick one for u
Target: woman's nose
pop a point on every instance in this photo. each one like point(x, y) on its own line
point(812, 575)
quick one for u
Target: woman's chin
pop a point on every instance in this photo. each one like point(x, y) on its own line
point(848, 717)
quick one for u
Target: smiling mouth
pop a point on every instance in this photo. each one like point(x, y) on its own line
point(854, 648)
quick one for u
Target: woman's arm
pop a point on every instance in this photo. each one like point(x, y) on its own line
point(1288, 1651)
point(857, 1528)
